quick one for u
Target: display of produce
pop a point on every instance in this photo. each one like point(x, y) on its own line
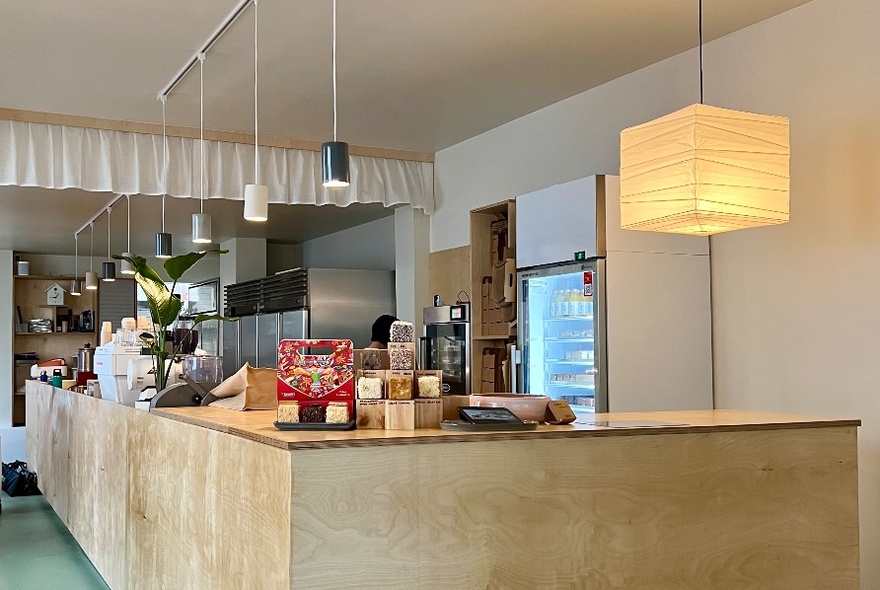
point(402, 356)
point(400, 387)
point(337, 413)
point(288, 412)
point(313, 413)
point(402, 332)
point(369, 388)
point(429, 386)
point(315, 380)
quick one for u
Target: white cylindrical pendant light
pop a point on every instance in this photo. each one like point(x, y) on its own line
point(201, 221)
point(201, 228)
point(256, 196)
point(92, 276)
point(126, 267)
point(91, 281)
point(256, 202)
point(334, 154)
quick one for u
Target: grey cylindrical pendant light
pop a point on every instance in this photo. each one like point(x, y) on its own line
point(256, 196)
point(334, 154)
point(163, 245)
point(334, 164)
point(108, 269)
point(163, 239)
point(74, 284)
point(201, 228)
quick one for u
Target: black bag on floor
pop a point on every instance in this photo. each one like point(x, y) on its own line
point(18, 481)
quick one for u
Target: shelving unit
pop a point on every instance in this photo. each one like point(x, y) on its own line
point(493, 307)
point(30, 298)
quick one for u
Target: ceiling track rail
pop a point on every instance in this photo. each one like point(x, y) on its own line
point(97, 215)
point(206, 46)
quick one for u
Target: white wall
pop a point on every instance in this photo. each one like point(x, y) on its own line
point(367, 246)
point(7, 309)
point(795, 319)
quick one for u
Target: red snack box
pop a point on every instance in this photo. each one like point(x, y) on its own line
point(316, 378)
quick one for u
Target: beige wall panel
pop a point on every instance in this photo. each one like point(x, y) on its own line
point(770, 509)
point(209, 505)
point(449, 272)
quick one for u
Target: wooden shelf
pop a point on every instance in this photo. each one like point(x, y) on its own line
point(55, 333)
point(43, 278)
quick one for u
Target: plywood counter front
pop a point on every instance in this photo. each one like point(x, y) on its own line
point(194, 498)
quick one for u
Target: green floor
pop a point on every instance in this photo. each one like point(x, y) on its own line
point(37, 552)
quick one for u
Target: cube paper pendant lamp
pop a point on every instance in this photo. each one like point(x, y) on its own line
point(704, 170)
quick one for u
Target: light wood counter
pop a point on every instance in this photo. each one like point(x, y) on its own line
point(257, 425)
point(203, 498)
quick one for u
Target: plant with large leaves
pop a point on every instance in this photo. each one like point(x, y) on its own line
point(165, 307)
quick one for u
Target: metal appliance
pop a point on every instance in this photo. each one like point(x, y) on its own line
point(197, 375)
point(446, 346)
point(111, 366)
point(302, 303)
point(609, 319)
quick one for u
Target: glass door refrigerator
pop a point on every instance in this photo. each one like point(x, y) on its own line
point(562, 334)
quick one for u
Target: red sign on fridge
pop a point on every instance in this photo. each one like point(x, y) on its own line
point(588, 283)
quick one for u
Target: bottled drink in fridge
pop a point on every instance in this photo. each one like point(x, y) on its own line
point(554, 304)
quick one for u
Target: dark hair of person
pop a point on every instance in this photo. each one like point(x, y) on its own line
point(382, 328)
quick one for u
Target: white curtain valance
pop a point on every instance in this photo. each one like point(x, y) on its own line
point(61, 157)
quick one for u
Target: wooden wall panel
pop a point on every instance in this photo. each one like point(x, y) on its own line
point(213, 509)
point(48, 445)
point(99, 484)
point(449, 271)
point(745, 510)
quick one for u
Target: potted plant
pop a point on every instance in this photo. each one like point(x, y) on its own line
point(165, 307)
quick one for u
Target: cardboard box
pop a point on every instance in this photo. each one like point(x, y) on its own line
point(316, 378)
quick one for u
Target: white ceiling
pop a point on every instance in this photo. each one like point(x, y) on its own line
point(413, 74)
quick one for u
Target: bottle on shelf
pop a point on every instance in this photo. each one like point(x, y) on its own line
point(554, 304)
point(581, 305)
point(570, 303)
point(563, 303)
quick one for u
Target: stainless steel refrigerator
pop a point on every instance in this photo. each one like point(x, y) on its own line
point(302, 303)
point(609, 319)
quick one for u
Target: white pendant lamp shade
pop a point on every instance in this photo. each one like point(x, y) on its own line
point(201, 228)
point(256, 202)
point(91, 281)
point(704, 170)
point(126, 267)
point(74, 287)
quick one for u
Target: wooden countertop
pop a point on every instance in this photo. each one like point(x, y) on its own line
point(257, 425)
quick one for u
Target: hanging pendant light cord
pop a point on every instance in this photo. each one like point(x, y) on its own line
point(256, 104)
point(75, 256)
point(700, 13)
point(164, 162)
point(128, 243)
point(202, 133)
point(334, 70)
point(108, 234)
point(92, 251)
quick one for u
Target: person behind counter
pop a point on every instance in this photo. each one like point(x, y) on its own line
point(381, 331)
